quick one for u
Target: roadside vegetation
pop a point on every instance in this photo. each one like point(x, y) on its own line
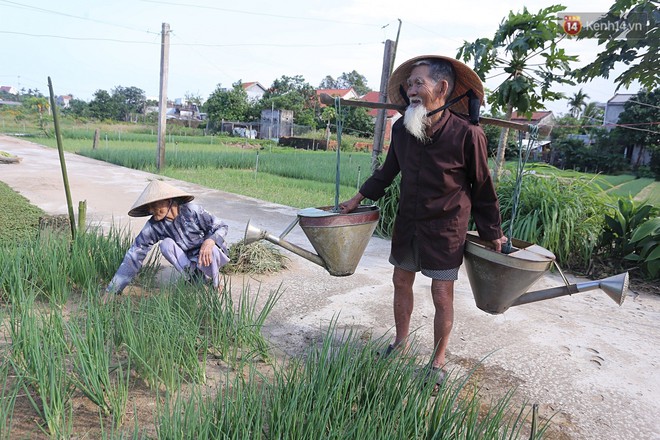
point(179, 361)
point(566, 211)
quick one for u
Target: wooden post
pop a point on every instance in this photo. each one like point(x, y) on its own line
point(97, 139)
point(82, 217)
point(162, 97)
point(60, 149)
point(379, 129)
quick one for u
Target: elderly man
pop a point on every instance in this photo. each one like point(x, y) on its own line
point(190, 238)
point(445, 178)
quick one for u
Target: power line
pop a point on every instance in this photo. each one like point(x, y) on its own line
point(643, 103)
point(114, 40)
point(50, 11)
point(187, 44)
point(264, 14)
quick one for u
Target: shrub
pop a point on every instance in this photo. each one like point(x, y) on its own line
point(631, 237)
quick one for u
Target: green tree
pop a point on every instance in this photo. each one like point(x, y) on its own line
point(628, 33)
point(129, 101)
point(577, 102)
point(78, 108)
point(345, 81)
point(102, 106)
point(295, 94)
point(357, 122)
point(641, 112)
point(37, 105)
point(228, 104)
point(532, 60)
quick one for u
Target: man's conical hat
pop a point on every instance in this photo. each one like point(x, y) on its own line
point(155, 191)
point(465, 80)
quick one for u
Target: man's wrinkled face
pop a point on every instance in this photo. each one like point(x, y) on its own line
point(420, 93)
point(160, 209)
point(421, 88)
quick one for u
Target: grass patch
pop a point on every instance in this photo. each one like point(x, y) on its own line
point(630, 188)
point(19, 219)
point(287, 191)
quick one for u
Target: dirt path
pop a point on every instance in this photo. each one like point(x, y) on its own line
point(591, 364)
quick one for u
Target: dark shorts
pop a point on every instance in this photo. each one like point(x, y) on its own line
point(411, 263)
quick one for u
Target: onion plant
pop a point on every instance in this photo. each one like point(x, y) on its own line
point(339, 390)
point(39, 353)
point(235, 412)
point(230, 328)
point(93, 368)
point(162, 341)
point(9, 387)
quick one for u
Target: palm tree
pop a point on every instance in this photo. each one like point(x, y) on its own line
point(577, 102)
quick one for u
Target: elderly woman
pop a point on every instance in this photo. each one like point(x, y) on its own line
point(191, 238)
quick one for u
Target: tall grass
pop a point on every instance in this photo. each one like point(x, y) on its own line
point(565, 216)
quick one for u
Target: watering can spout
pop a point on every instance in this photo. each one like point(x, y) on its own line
point(252, 234)
point(338, 239)
point(615, 287)
point(500, 280)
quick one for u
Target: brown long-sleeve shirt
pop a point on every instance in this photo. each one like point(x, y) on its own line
point(442, 183)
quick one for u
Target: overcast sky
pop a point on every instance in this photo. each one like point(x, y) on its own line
point(89, 45)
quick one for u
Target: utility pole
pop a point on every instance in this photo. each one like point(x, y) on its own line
point(379, 129)
point(162, 96)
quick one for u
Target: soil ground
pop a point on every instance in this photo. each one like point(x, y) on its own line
point(587, 362)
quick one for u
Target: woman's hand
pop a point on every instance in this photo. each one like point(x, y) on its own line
point(206, 252)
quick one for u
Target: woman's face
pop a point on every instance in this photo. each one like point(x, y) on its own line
point(160, 209)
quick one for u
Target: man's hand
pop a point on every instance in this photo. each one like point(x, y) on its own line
point(498, 243)
point(351, 204)
point(206, 252)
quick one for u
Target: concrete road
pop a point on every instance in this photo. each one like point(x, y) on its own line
point(591, 363)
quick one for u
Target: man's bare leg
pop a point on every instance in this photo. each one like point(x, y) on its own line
point(403, 304)
point(443, 300)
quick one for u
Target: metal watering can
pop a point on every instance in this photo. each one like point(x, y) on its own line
point(500, 280)
point(339, 239)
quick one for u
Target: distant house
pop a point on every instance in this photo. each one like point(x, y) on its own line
point(613, 109)
point(9, 89)
point(341, 93)
point(538, 118)
point(64, 100)
point(391, 116)
point(636, 154)
point(255, 91)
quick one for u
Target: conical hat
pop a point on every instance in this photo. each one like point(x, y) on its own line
point(466, 79)
point(155, 191)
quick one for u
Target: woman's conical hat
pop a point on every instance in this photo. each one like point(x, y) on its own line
point(155, 191)
point(466, 79)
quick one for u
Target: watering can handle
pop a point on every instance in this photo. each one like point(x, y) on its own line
point(478, 240)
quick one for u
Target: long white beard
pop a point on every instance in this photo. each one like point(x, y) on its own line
point(416, 122)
